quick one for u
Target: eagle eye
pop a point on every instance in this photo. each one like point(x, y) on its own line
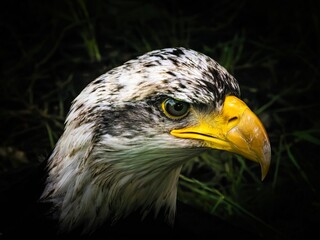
point(175, 109)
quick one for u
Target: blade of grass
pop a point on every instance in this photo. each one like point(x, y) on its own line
point(50, 135)
point(297, 165)
point(307, 136)
point(278, 156)
point(213, 194)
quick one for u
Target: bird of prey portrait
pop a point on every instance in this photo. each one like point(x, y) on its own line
point(128, 134)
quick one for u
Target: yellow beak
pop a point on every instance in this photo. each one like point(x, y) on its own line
point(235, 129)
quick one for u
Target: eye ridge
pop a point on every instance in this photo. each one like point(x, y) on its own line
point(175, 109)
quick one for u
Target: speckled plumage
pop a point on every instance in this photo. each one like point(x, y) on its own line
point(116, 154)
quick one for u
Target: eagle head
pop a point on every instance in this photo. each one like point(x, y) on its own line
point(129, 132)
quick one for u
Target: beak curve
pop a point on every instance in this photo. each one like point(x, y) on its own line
point(235, 129)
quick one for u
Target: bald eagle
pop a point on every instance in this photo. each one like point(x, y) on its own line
point(129, 132)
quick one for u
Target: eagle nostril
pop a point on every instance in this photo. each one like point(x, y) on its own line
point(233, 120)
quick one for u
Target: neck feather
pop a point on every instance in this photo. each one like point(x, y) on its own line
point(91, 185)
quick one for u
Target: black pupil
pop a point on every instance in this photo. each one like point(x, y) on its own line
point(176, 108)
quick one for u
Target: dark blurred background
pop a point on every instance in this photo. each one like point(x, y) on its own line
point(49, 50)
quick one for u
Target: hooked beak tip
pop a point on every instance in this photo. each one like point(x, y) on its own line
point(265, 161)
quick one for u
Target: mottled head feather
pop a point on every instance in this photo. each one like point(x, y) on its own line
point(116, 154)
